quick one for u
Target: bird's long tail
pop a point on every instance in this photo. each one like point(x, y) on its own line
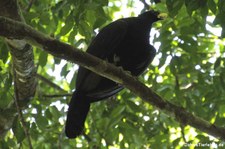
point(77, 113)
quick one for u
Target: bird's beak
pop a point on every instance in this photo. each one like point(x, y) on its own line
point(162, 16)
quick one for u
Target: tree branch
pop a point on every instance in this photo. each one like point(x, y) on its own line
point(50, 83)
point(58, 95)
point(18, 30)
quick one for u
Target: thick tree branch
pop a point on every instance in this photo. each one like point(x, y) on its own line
point(18, 30)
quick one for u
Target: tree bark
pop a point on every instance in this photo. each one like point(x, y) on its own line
point(22, 54)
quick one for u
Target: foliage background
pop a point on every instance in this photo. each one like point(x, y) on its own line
point(188, 71)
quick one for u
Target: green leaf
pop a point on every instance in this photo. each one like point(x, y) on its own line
point(221, 5)
point(117, 111)
point(90, 15)
point(43, 58)
point(85, 29)
point(217, 63)
point(18, 130)
point(212, 6)
point(58, 6)
point(48, 114)
point(34, 132)
point(57, 60)
point(55, 112)
point(176, 142)
point(69, 24)
point(133, 107)
point(5, 100)
point(64, 71)
point(41, 121)
point(4, 52)
point(73, 82)
point(218, 19)
point(102, 124)
point(174, 6)
point(222, 109)
point(45, 18)
point(8, 82)
point(111, 135)
point(4, 144)
point(192, 5)
point(223, 31)
point(114, 121)
point(72, 35)
point(102, 2)
point(174, 65)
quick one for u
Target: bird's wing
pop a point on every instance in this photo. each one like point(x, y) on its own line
point(108, 39)
point(103, 46)
point(141, 67)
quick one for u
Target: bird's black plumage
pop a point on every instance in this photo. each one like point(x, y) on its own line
point(125, 43)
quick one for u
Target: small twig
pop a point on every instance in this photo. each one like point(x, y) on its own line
point(60, 138)
point(26, 131)
point(59, 95)
point(177, 86)
point(146, 5)
point(183, 134)
point(50, 83)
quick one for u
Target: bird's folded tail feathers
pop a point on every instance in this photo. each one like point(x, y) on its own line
point(77, 113)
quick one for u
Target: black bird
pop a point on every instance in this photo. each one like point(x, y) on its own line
point(125, 43)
